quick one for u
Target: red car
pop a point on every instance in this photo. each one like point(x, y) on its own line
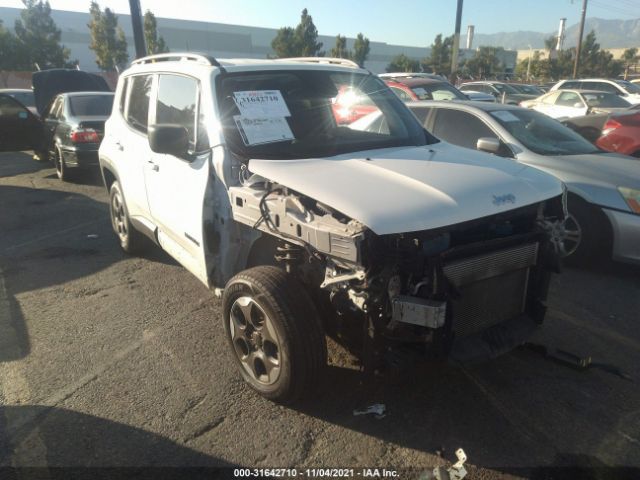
point(621, 133)
point(350, 105)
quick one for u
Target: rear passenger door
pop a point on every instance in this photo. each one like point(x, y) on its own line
point(176, 186)
point(128, 145)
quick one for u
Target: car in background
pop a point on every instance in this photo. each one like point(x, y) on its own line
point(604, 188)
point(590, 126)
point(73, 127)
point(627, 90)
point(527, 89)
point(23, 95)
point(423, 88)
point(479, 96)
point(621, 133)
point(501, 91)
point(563, 104)
point(350, 105)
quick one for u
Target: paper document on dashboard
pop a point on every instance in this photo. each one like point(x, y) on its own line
point(261, 103)
point(256, 131)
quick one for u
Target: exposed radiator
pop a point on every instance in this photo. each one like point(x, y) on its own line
point(493, 287)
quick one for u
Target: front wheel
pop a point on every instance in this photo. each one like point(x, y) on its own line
point(274, 333)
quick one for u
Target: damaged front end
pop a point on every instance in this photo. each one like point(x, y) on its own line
point(469, 291)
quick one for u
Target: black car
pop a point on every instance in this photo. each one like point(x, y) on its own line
point(72, 106)
point(73, 126)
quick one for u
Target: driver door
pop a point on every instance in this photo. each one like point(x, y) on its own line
point(19, 128)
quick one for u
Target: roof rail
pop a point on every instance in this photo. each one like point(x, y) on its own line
point(185, 56)
point(329, 60)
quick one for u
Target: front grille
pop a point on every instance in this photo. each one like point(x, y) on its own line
point(492, 287)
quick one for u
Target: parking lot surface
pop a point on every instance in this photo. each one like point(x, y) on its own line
point(111, 360)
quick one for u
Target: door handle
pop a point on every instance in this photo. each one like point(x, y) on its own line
point(119, 146)
point(154, 167)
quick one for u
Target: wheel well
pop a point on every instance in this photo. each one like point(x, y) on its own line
point(108, 177)
point(263, 252)
point(600, 217)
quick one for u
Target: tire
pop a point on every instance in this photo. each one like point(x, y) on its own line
point(586, 231)
point(61, 169)
point(131, 241)
point(274, 333)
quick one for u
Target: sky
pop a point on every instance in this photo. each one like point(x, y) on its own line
point(402, 22)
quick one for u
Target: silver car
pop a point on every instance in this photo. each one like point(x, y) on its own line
point(604, 188)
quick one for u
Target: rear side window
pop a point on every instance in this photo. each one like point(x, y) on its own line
point(123, 95)
point(177, 103)
point(139, 96)
point(601, 86)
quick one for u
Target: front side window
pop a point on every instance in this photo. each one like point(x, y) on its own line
point(601, 86)
point(542, 134)
point(177, 103)
point(298, 114)
point(460, 128)
point(139, 96)
point(505, 88)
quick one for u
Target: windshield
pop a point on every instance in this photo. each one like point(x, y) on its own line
point(542, 134)
point(438, 91)
point(605, 100)
point(310, 113)
point(91, 105)
point(504, 88)
point(628, 86)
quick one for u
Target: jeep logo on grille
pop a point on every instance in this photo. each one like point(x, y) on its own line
point(502, 199)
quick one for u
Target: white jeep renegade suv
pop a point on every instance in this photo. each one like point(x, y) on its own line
point(240, 170)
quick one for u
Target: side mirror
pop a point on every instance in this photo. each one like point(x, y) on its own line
point(170, 139)
point(488, 144)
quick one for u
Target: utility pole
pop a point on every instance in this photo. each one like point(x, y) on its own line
point(136, 23)
point(580, 32)
point(456, 40)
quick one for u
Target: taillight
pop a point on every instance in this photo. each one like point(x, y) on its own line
point(84, 135)
point(610, 126)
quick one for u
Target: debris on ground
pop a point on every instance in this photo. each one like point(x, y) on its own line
point(455, 472)
point(377, 409)
point(93, 236)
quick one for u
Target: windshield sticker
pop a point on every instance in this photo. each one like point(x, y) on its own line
point(505, 116)
point(261, 104)
point(257, 131)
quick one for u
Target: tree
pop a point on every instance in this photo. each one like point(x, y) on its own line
point(402, 63)
point(299, 42)
point(360, 49)
point(307, 36)
point(485, 62)
point(155, 43)
point(630, 58)
point(439, 61)
point(340, 49)
point(596, 62)
point(107, 38)
point(37, 38)
point(9, 56)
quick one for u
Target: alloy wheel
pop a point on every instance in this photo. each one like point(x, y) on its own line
point(255, 340)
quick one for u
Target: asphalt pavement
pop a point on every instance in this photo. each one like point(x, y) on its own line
point(108, 360)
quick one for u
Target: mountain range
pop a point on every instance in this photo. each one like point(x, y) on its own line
point(609, 34)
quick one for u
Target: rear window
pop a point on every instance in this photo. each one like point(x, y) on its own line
point(437, 91)
point(91, 105)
